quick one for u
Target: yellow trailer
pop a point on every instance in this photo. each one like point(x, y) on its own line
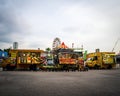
point(23, 59)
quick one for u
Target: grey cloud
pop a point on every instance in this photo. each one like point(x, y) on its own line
point(53, 22)
point(8, 22)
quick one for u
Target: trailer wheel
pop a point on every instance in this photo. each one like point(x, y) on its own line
point(96, 66)
point(109, 67)
point(86, 68)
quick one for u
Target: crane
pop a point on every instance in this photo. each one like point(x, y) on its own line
point(115, 44)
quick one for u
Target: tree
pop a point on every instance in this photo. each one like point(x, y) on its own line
point(7, 50)
point(48, 49)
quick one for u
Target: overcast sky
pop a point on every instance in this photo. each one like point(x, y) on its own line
point(35, 23)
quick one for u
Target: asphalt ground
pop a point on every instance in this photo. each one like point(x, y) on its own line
point(31, 83)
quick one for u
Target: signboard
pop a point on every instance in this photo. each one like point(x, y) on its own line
point(3, 54)
point(67, 61)
point(13, 55)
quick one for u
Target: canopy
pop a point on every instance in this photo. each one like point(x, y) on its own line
point(63, 46)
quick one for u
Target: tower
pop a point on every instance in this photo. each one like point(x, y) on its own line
point(15, 45)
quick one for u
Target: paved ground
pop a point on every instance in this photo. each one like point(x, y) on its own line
point(91, 83)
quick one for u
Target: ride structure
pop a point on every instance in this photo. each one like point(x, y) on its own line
point(56, 43)
point(67, 59)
